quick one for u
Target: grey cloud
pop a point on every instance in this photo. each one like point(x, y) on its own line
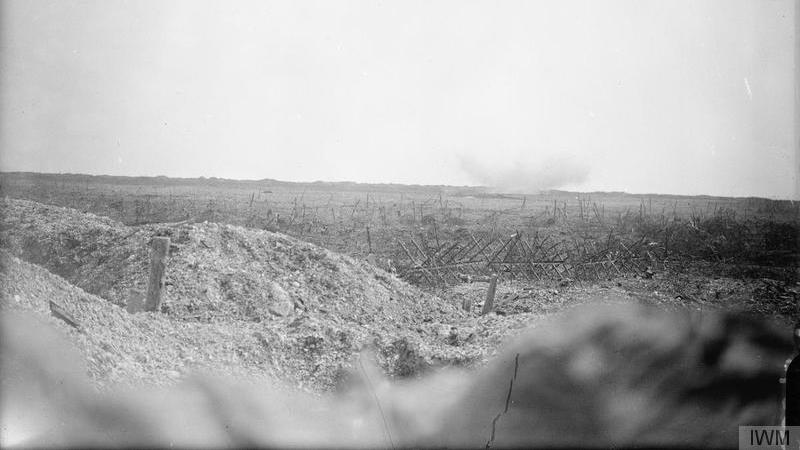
point(526, 174)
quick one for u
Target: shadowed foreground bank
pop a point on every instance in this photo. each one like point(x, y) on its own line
point(619, 376)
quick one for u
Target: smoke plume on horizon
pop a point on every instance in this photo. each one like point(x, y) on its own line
point(526, 174)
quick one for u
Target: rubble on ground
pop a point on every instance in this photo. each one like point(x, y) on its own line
point(250, 303)
point(236, 301)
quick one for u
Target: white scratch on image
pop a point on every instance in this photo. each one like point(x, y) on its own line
point(747, 85)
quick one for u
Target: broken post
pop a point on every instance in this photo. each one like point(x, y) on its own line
point(489, 303)
point(435, 235)
point(158, 259)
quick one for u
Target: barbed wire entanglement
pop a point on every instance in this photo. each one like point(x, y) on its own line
point(521, 257)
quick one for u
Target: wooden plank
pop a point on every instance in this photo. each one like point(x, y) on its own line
point(59, 312)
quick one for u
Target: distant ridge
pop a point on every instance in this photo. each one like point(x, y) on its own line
point(215, 181)
point(465, 190)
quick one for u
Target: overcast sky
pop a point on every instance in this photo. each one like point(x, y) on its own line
point(685, 97)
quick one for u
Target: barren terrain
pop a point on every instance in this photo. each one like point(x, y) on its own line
point(297, 301)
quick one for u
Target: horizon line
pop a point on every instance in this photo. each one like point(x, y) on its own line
point(415, 185)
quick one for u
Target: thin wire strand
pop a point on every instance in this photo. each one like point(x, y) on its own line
point(377, 402)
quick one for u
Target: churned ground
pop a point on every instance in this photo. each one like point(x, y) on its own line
point(237, 301)
point(250, 302)
point(265, 308)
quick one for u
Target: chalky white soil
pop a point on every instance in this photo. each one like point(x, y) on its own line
point(237, 301)
point(253, 303)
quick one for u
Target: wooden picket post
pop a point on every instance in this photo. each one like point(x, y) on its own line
point(158, 260)
point(489, 303)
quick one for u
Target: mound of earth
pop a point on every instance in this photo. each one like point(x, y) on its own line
point(214, 271)
point(223, 311)
point(120, 347)
point(254, 303)
point(310, 353)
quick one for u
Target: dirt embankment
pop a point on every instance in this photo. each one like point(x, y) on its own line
point(236, 300)
point(265, 307)
point(215, 271)
point(254, 303)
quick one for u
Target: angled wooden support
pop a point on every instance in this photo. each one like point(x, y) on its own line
point(503, 247)
point(405, 250)
point(58, 311)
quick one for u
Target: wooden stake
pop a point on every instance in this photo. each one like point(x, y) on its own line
point(489, 303)
point(158, 259)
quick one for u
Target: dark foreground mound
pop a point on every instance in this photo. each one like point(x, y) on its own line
point(622, 376)
point(627, 376)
